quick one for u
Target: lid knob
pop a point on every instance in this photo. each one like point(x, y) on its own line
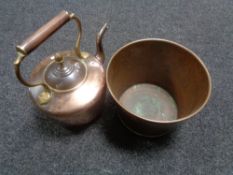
point(58, 58)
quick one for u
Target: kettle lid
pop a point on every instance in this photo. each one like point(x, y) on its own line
point(64, 73)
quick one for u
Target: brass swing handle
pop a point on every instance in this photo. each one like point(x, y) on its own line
point(40, 36)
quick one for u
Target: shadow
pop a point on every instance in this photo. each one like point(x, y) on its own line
point(121, 137)
point(49, 127)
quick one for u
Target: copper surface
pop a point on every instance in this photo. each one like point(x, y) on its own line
point(76, 106)
point(68, 85)
point(65, 75)
point(166, 64)
point(149, 101)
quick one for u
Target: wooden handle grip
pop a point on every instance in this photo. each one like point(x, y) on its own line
point(43, 33)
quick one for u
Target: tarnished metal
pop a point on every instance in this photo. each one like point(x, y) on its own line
point(77, 105)
point(148, 62)
point(68, 85)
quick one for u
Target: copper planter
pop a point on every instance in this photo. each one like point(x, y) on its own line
point(164, 63)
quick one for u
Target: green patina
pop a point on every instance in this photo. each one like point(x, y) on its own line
point(147, 106)
point(149, 101)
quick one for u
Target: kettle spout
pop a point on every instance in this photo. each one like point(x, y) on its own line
point(99, 47)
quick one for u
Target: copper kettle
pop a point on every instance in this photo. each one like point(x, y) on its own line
point(68, 85)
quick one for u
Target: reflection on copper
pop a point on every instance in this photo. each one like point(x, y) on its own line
point(86, 93)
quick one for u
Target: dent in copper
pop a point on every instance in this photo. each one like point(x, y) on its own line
point(166, 64)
